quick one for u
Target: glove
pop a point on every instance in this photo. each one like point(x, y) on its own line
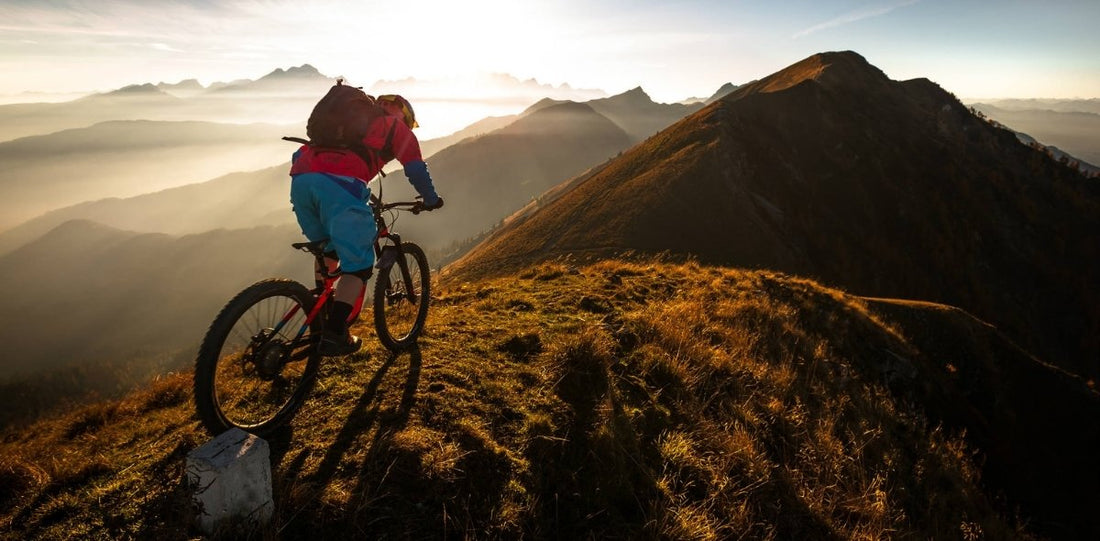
point(438, 204)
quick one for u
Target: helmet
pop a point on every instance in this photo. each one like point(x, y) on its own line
point(404, 105)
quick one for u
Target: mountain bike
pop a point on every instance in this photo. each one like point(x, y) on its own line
point(260, 357)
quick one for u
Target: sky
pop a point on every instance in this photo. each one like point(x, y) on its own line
point(673, 50)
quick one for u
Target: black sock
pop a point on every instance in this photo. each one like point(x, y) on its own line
point(338, 316)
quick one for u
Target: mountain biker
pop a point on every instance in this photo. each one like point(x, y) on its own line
point(329, 193)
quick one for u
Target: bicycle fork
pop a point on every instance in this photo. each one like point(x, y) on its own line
point(392, 254)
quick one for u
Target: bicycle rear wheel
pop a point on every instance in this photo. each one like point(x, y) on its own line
point(400, 305)
point(252, 370)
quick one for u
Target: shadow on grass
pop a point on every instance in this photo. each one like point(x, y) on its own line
point(368, 411)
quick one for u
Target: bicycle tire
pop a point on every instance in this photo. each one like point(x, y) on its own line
point(248, 377)
point(397, 320)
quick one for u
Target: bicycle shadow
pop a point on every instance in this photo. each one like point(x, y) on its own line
point(367, 412)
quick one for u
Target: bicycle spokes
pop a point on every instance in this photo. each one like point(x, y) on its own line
point(401, 297)
point(258, 358)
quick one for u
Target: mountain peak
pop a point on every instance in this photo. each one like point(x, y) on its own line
point(305, 71)
point(722, 92)
point(633, 97)
point(635, 93)
point(542, 104)
point(831, 69)
point(137, 89)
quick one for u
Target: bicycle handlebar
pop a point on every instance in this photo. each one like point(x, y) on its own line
point(415, 207)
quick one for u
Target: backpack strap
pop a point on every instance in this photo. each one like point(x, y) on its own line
point(365, 153)
point(384, 154)
point(388, 145)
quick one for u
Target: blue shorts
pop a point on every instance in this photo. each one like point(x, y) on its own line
point(334, 208)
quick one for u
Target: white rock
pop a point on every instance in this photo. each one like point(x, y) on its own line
point(231, 479)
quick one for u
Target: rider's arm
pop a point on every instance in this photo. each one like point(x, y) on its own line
point(406, 149)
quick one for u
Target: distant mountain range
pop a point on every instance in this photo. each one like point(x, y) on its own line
point(831, 170)
point(280, 97)
point(1071, 128)
point(497, 86)
point(1040, 104)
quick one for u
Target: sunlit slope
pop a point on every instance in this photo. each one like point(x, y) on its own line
point(831, 170)
point(619, 401)
point(122, 159)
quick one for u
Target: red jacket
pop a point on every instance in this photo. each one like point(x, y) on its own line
point(404, 145)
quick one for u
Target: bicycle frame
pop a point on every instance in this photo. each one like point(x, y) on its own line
point(382, 255)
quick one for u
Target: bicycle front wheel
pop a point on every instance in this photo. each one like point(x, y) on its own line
point(258, 359)
point(400, 301)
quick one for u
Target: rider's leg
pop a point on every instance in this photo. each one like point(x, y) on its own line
point(341, 205)
point(352, 230)
point(308, 197)
point(347, 291)
point(337, 339)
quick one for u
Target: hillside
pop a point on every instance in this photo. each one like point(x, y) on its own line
point(489, 124)
point(829, 169)
point(233, 201)
point(86, 293)
point(619, 401)
point(236, 200)
point(485, 179)
point(490, 176)
point(638, 115)
point(30, 119)
point(126, 158)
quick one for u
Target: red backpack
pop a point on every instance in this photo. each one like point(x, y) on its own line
point(340, 120)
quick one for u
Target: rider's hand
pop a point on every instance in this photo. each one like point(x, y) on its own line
point(438, 204)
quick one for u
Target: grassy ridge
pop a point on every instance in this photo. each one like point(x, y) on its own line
point(611, 401)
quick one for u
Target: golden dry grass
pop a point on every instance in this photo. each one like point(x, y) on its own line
point(617, 400)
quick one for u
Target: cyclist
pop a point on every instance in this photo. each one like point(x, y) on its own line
point(329, 193)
